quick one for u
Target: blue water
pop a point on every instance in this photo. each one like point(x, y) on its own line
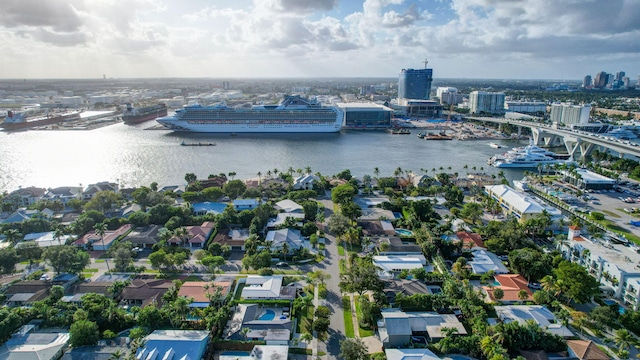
point(268, 315)
point(236, 353)
point(610, 302)
point(404, 232)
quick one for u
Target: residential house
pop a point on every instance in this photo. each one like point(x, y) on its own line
point(374, 226)
point(204, 293)
point(45, 239)
point(63, 194)
point(28, 195)
point(143, 237)
point(93, 189)
point(484, 261)
point(397, 247)
point(410, 354)
point(174, 344)
point(212, 181)
point(245, 204)
point(99, 352)
point(421, 181)
point(234, 238)
point(99, 285)
point(176, 189)
point(539, 314)
point(399, 327)
point(20, 215)
point(26, 292)
point(204, 208)
point(259, 352)
point(289, 206)
point(196, 237)
point(104, 242)
point(305, 182)
point(470, 240)
point(143, 292)
point(585, 350)
point(391, 266)
point(267, 287)
point(472, 180)
point(395, 287)
point(511, 286)
point(278, 238)
point(26, 343)
point(281, 219)
point(261, 324)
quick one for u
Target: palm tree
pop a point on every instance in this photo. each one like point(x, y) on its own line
point(244, 332)
point(376, 171)
point(275, 172)
point(284, 250)
point(12, 236)
point(116, 355)
point(306, 337)
point(624, 339)
point(100, 229)
point(523, 295)
point(307, 169)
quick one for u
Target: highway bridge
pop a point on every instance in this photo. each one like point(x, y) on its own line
point(579, 144)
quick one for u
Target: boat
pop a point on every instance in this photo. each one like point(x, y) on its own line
point(495, 145)
point(197, 144)
point(621, 133)
point(18, 121)
point(136, 115)
point(294, 114)
point(399, 131)
point(529, 157)
point(439, 136)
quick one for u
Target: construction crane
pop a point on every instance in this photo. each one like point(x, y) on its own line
point(426, 61)
point(450, 110)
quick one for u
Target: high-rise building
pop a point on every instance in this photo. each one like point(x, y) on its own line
point(620, 75)
point(415, 84)
point(448, 95)
point(488, 102)
point(566, 113)
point(625, 82)
point(586, 83)
point(601, 80)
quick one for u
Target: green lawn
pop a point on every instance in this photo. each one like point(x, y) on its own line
point(99, 260)
point(305, 319)
point(611, 213)
point(362, 331)
point(343, 266)
point(90, 270)
point(348, 321)
point(340, 249)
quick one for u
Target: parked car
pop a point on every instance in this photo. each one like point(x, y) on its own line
point(535, 286)
point(282, 265)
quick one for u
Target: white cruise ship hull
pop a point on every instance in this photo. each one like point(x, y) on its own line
point(177, 125)
point(522, 164)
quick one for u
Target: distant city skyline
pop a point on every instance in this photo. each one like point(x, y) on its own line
point(491, 39)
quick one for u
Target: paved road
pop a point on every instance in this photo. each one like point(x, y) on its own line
point(334, 296)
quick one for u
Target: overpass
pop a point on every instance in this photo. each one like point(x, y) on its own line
point(579, 144)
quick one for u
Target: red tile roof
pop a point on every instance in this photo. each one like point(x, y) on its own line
point(198, 292)
point(511, 284)
point(470, 240)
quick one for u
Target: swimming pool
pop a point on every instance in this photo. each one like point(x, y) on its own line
point(610, 302)
point(235, 353)
point(404, 232)
point(268, 315)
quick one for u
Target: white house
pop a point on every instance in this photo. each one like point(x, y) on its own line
point(265, 287)
point(484, 261)
point(289, 206)
point(393, 265)
point(305, 182)
point(281, 218)
point(278, 238)
point(540, 314)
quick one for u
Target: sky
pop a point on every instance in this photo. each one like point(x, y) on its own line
point(503, 39)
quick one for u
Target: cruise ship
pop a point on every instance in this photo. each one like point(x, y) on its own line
point(294, 114)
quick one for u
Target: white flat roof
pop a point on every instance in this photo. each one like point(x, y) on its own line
point(362, 106)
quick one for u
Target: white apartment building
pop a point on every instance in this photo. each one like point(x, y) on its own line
point(488, 102)
point(520, 205)
point(567, 114)
point(526, 106)
point(448, 95)
point(616, 267)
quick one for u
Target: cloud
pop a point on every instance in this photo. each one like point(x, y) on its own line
point(60, 15)
point(305, 6)
point(393, 19)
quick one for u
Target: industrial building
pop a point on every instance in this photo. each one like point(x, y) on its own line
point(365, 115)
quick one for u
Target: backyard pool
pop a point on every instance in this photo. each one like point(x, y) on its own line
point(235, 353)
point(268, 315)
point(610, 302)
point(404, 232)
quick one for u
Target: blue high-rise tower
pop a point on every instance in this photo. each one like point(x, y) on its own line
point(415, 83)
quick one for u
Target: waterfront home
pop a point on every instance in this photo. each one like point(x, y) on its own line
point(63, 194)
point(93, 189)
point(176, 189)
point(305, 182)
point(397, 327)
point(267, 287)
point(174, 344)
point(27, 196)
point(212, 181)
point(511, 285)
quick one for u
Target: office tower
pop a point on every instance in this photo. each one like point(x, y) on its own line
point(625, 82)
point(620, 75)
point(415, 83)
point(586, 83)
point(488, 102)
point(601, 80)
